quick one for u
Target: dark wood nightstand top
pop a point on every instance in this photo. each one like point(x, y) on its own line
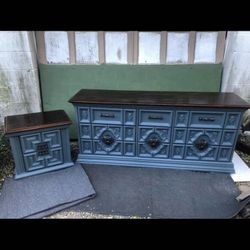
point(33, 121)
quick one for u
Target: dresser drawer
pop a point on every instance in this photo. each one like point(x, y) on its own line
point(106, 115)
point(149, 117)
point(114, 131)
point(145, 133)
point(101, 148)
point(192, 153)
point(146, 151)
point(30, 142)
point(206, 119)
point(213, 135)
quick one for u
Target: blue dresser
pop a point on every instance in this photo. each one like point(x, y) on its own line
point(39, 142)
point(195, 131)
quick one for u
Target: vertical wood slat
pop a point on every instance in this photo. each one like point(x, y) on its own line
point(41, 52)
point(220, 46)
point(72, 47)
point(101, 46)
point(191, 47)
point(130, 50)
point(136, 47)
point(163, 47)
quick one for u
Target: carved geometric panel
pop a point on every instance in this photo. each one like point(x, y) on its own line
point(115, 149)
point(85, 131)
point(33, 162)
point(181, 119)
point(228, 137)
point(164, 133)
point(193, 134)
point(83, 114)
point(211, 155)
point(53, 137)
point(55, 158)
point(129, 116)
point(179, 135)
point(178, 151)
point(214, 136)
point(144, 132)
point(129, 149)
point(163, 152)
point(129, 133)
point(98, 130)
point(224, 154)
point(190, 154)
point(232, 120)
point(29, 142)
point(86, 147)
point(117, 131)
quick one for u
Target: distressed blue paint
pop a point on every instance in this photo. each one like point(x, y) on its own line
point(158, 137)
point(40, 151)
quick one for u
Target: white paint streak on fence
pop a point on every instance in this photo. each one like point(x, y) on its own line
point(177, 49)
point(14, 41)
point(236, 73)
point(19, 84)
point(149, 47)
point(86, 47)
point(116, 47)
point(56, 46)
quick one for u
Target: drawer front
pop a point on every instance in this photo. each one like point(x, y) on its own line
point(209, 154)
point(155, 117)
point(106, 115)
point(116, 132)
point(160, 152)
point(213, 135)
point(205, 119)
point(103, 149)
point(232, 120)
point(145, 133)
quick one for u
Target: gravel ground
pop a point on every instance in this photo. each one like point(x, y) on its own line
point(7, 170)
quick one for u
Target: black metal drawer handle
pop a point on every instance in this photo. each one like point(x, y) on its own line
point(207, 119)
point(108, 115)
point(155, 117)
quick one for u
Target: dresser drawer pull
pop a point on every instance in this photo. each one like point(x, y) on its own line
point(107, 115)
point(155, 117)
point(207, 119)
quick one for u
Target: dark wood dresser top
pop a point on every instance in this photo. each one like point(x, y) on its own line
point(40, 120)
point(160, 98)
